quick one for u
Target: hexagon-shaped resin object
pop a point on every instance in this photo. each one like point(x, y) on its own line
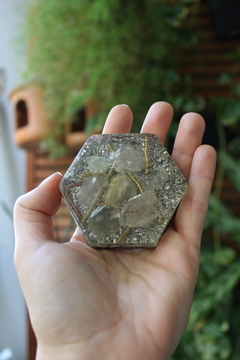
point(122, 190)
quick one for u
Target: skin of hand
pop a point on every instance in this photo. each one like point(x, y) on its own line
point(86, 303)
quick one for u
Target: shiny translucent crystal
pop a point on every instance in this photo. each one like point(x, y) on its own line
point(140, 211)
point(104, 220)
point(128, 159)
point(89, 188)
point(97, 164)
point(122, 190)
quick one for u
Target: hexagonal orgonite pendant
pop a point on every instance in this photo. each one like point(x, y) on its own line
point(122, 190)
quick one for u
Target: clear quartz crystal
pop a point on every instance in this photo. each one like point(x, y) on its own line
point(89, 188)
point(97, 164)
point(140, 211)
point(122, 190)
point(120, 187)
point(156, 179)
point(129, 159)
point(104, 220)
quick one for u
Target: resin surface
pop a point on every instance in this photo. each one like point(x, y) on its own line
point(122, 190)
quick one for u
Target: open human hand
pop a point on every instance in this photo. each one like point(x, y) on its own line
point(86, 303)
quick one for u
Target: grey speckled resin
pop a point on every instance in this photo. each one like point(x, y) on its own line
point(122, 190)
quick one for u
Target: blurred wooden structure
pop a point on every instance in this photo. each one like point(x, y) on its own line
point(209, 56)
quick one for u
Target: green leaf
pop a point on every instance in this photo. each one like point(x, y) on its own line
point(224, 78)
point(212, 295)
point(232, 169)
point(220, 217)
point(234, 146)
point(95, 123)
point(236, 89)
point(225, 348)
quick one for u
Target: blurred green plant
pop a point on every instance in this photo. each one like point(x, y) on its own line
point(109, 51)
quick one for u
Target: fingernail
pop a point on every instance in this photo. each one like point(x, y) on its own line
point(50, 177)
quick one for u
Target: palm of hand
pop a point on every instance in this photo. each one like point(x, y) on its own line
point(129, 297)
point(116, 304)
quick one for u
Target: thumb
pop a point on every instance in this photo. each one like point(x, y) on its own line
point(33, 216)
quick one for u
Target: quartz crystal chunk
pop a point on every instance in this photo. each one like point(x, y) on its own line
point(120, 187)
point(123, 162)
point(140, 211)
point(97, 164)
point(104, 220)
point(122, 190)
point(89, 188)
point(156, 179)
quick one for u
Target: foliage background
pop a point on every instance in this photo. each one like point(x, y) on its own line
point(112, 51)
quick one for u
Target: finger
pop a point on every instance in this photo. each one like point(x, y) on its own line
point(33, 212)
point(192, 211)
point(119, 120)
point(78, 235)
point(188, 138)
point(158, 120)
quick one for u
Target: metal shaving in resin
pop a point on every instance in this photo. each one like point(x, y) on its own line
point(122, 190)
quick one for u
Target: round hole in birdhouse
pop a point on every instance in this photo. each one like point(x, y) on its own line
point(21, 114)
point(79, 121)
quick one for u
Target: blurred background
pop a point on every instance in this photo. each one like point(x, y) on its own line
point(63, 65)
point(13, 315)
